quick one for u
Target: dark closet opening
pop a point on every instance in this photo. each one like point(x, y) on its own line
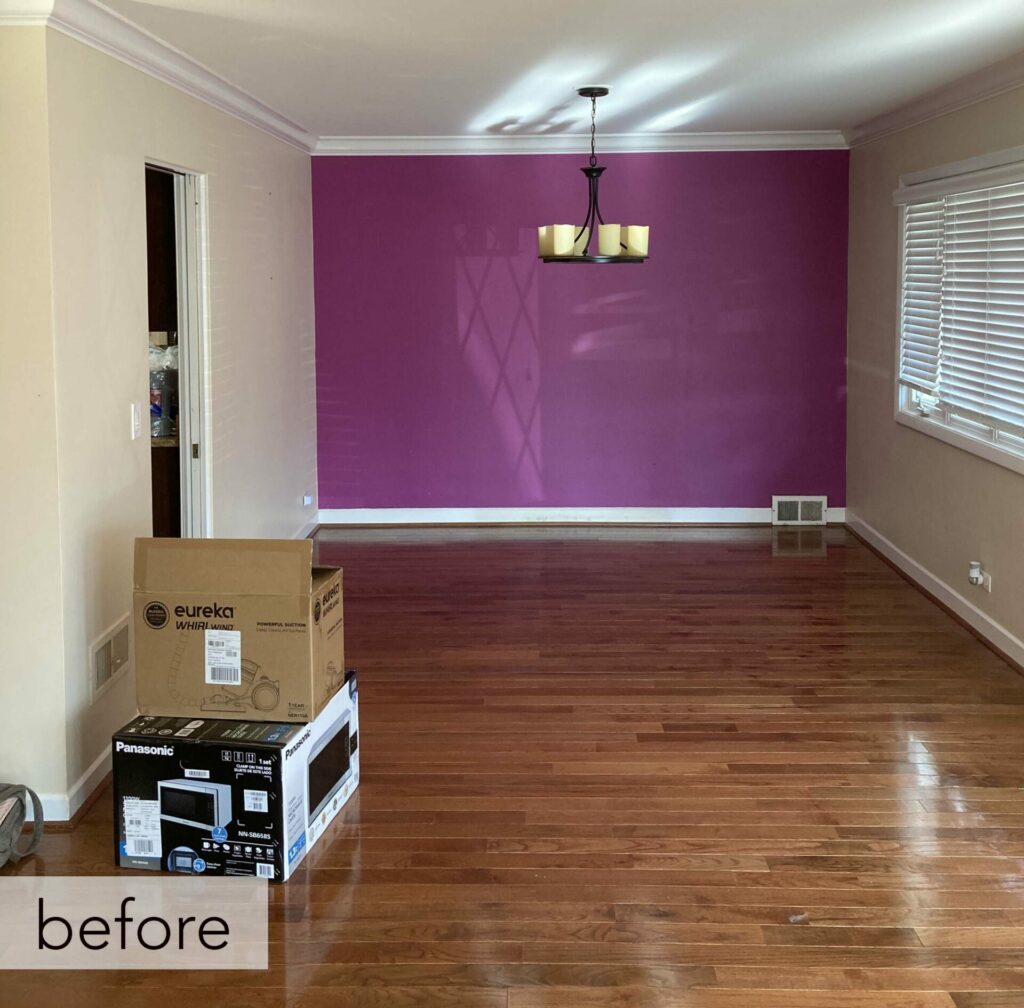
point(162, 269)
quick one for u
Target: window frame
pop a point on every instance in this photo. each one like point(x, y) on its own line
point(939, 421)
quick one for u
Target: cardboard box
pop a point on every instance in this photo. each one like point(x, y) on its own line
point(232, 797)
point(236, 628)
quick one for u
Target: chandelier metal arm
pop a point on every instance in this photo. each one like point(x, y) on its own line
point(593, 217)
point(586, 219)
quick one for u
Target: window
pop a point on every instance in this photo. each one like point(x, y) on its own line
point(961, 348)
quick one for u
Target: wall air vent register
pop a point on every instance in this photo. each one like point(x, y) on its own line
point(799, 510)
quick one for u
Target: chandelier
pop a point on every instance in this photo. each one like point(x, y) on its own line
point(616, 243)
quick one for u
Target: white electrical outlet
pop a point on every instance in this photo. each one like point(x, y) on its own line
point(136, 421)
point(307, 500)
point(978, 577)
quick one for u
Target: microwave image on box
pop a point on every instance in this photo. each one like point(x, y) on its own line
point(195, 803)
point(329, 766)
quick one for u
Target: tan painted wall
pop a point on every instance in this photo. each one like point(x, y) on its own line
point(941, 505)
point(102, 121)
point(31, 669)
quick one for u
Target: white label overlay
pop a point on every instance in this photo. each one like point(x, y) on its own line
point(122, 922)
point(142, 828)
point(255, 801)
point(224, 657)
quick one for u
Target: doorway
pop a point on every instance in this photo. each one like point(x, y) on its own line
point(177, 351)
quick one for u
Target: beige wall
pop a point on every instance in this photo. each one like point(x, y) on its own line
point(941, 505)
point(31, 675)
point(105, 120)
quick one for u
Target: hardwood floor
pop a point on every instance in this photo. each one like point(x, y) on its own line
point(641, 767)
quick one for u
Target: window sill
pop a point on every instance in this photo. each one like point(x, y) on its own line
point(985, 449)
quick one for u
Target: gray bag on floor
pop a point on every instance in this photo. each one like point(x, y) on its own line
point(14, 799)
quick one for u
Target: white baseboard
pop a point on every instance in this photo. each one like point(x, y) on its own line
point(61, 807)
point(983, 624)
point(55, 807)
point(555, 516)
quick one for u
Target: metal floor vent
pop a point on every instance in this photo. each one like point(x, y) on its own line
point(799, 510)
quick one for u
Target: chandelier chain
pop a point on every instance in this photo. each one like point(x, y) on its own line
point(593, 132)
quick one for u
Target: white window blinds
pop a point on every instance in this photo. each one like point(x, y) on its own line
point(962, 325)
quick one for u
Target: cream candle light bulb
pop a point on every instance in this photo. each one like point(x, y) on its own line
point(562, 239)
point(636, 239)
point(609, 239)
point(545, 241)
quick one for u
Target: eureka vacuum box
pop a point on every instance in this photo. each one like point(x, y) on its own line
point(237, 629)
point(232, 797)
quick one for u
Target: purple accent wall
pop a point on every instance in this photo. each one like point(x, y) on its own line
point(456, 370)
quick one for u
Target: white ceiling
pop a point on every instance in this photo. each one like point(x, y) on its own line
point(458, 67)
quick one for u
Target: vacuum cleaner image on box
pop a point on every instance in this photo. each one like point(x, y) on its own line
point(232, 797)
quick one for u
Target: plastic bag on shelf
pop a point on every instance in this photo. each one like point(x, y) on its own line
point(163, 391)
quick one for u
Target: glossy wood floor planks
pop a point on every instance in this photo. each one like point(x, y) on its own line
point(640, 768)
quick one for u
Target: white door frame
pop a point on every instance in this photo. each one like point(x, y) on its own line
point(190, 197)
point(193, 348)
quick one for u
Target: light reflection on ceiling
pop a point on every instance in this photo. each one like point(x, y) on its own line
point(393, 68)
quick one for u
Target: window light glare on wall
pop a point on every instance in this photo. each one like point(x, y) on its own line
point(616, 243)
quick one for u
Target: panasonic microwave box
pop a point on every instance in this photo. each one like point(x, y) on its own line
point(236, 628)
point(218, 797)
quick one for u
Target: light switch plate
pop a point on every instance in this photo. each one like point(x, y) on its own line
point(307, 500)
point(136, 421)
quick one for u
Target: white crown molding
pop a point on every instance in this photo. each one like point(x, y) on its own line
point(555, 516)
point(98, 26)
point(564, 143)
point(993, 80)
point(24, 13)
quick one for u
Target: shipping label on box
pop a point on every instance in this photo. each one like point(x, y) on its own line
point(222, 797)
point(236, 628)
